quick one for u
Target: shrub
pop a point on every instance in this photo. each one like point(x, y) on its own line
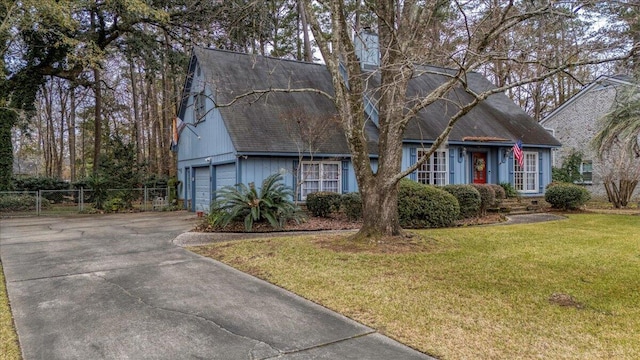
point(570, 170)
point(99, 194)
point(323, 203)
point(566, 196)
point(487, 196)
point(272, 204)
point(468, 199)
point(423, 206)
point(500, 194)
point(352, 205)
point(35, 183)
point(115, 204)
point(17, 202)
point(509, 190)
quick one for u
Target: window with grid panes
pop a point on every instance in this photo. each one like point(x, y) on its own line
point(320, 176)
point(434, 171)
point(526, 179)
point(586, 170)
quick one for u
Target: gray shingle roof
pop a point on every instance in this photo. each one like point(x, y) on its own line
point(497, 119)
point(259, 123)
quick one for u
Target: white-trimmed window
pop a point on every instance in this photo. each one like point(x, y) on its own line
point(320, 176)
point(526, 179)
point(586, 171)
point(435, 170)
point(199, 107)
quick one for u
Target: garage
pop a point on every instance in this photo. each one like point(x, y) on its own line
point(225, 175)
point(202, 188)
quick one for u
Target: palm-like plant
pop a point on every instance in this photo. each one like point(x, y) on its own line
point(272, 203)
point(620, 140)
point(622, 123)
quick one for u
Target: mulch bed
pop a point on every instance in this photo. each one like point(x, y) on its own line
point(334, 222)
point(313, 223)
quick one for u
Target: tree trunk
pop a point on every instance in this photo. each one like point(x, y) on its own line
point(151, 128)
point(379, 210)
point(305, 34)
point(62, 98)
point(7, 120)
point(97, 144)
point(137, 126)
point(71, 128)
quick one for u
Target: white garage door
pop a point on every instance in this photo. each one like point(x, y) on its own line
point(203, 189)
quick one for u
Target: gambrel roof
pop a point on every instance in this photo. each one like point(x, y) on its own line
point(258, 123)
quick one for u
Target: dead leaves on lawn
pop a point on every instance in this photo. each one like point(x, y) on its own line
point(379, 245)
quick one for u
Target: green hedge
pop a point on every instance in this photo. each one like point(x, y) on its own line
point(468, 199)
point(323, 203)
point(487, 196)
point(17, 202)
point(425, 206)
point(35, 183)
point(566, 196)
point(352, 205)
point(509, 190)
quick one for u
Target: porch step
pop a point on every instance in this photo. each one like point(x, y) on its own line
point(520, 206)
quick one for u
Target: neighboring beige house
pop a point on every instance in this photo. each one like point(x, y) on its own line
point(576, 122)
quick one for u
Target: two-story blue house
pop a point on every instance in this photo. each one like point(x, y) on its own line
point(237, 131)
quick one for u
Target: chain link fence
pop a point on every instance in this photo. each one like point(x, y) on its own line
point(62, 202)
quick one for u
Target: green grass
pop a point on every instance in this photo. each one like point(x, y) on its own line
point(9, 348)
point(475, 292)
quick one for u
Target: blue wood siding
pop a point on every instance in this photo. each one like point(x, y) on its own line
point(504, 171)
point(207, 142)
point(256, 169)
point(499, 167)
point(225, 175)
point(458, 165)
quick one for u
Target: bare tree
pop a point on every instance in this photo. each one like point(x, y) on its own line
point(308, 133)
point(400, 27)
point(621, 176)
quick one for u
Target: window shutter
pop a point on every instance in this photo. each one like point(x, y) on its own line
point(412, 160)
point(295, 172)
point(345, 176)
point(452, 159)
point(540, 188)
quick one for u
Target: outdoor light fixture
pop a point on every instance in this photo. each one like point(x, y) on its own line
point(505, 155)
point(462, 154)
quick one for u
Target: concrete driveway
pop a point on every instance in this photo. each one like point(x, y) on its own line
point(116, 287)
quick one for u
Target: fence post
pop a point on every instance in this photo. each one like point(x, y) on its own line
point(146, 198)
point(81, 199)
point(38, 202)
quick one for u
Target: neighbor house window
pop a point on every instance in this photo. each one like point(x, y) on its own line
point(199, 107)
point(319, 176)
point(586, 171)
point(433, 171)
point(526, 179)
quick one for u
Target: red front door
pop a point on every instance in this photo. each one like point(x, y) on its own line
point(479, 170)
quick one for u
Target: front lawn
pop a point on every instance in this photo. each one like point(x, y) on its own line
point(9, 349)
point(565, 289)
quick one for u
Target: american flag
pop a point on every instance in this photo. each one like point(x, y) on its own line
point(178, 125)
point(517, 153)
